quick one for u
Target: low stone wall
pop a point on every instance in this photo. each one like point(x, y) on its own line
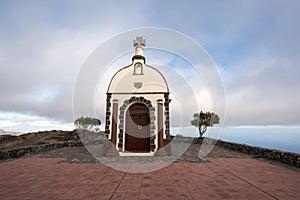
point(271, 154)
point(19, 152)
point(292, 159)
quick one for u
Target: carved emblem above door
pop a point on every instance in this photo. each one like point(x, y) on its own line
point(137, 85)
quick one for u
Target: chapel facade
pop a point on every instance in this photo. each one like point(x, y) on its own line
point(137, 107)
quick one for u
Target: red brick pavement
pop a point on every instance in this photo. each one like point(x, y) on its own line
point(222, 178)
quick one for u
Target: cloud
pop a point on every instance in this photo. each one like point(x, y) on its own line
point(14, 123)
point(263, 94)
point(255, 44)
point(43, 46)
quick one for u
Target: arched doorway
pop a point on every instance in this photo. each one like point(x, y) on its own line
point(137, 128)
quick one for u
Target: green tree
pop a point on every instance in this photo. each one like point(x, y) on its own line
point(86, 122)
point(204, 119)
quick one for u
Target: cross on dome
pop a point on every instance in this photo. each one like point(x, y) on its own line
point(139, 42)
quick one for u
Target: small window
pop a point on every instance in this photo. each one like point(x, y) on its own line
point(138, 68)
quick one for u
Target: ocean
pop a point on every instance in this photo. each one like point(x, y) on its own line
point(285, 138)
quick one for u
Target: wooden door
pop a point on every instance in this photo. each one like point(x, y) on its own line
point(137, 130)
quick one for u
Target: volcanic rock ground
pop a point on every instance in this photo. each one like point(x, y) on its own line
point(73, 173)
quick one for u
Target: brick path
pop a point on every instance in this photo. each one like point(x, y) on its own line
point(222, 178)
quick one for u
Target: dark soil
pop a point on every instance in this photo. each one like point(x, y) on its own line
point(38, 138)
point(79, 154)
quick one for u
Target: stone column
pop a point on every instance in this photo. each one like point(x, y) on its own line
point(114, 127)
point(160, 123)
point(167, 115)
point(107, 118)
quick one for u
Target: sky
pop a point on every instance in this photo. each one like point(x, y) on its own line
point(254, 44)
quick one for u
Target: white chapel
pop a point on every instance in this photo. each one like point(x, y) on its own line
point(137, 107)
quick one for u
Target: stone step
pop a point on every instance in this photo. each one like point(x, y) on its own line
point(112, 152)
point(161, 152)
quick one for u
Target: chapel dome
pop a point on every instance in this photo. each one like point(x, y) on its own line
point(138, 78)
